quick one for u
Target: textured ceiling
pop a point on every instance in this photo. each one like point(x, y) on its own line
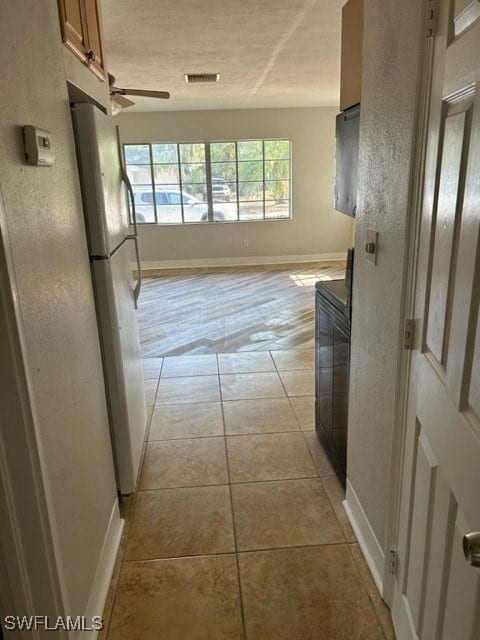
point(270, 53)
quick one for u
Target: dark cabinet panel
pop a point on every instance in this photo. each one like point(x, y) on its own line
point(346, 160)
point(332, 371)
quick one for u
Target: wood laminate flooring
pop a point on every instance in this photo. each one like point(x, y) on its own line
point(230, 312)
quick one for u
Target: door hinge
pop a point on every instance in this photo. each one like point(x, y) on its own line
point(431, 19)
point(409, 336)
point(393, 561)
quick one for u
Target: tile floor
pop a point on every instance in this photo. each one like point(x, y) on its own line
point(237, 530)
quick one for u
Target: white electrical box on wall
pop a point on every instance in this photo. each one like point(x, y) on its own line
point(38, 146)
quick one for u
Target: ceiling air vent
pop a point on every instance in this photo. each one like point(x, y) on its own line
point(202, 77)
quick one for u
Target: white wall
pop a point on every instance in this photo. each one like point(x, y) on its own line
point(54, 296)
point(316, 228)
point(390, 67)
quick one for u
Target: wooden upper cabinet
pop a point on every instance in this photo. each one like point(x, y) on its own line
point(73, 26)
point(94, 37)
point(352, 43)
point(81, 32)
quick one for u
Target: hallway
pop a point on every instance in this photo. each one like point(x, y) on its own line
point(237, 529)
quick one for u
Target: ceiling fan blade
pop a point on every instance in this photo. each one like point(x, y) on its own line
point(122, 101)
point(118, 103)
point(142, 92)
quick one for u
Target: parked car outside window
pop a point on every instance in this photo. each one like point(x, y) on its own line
point(169, 207)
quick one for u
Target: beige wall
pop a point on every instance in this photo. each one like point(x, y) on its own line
point(390, 66)
point(316, 227)
point(45, 225)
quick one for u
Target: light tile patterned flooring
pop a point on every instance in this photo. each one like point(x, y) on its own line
point(237, 530)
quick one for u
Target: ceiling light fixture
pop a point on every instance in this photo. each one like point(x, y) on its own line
point(202, 77)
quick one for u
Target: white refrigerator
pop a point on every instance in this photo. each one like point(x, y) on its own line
point(103, 182)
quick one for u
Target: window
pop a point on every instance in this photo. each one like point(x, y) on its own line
point(228, 181)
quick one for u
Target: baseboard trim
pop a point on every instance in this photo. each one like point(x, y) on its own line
point(366, 537)
point(206, 265)
point(105, 567)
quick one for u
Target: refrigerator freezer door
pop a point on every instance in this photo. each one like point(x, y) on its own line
point(122, 364)
point(103, 191)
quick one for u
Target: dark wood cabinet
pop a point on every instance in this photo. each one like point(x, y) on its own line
point(81, 32)
point(332, 371)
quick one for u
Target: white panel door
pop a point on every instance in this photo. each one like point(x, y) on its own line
point(437, 593)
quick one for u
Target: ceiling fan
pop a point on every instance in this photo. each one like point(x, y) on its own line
point(119, 101)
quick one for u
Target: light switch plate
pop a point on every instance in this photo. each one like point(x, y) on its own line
point(371, 246)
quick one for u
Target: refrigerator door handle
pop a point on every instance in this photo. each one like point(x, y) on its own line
point(128, 184)
point(138, 286)
point(126, 180)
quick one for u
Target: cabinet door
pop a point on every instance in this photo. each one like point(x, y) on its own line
point(72, 24)
point(94, 37)
point(341, 373)
point(323, 370)
point(352, 43)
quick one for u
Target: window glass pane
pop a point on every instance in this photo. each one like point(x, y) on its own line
point(250, 171)
point(144, 213)
point(194, 193)
point(143, 194)
point(166, 152)
point(174, 197)
point(225, 211)
point(263, 183)
point(277, 149)
point(195, 212)
point(225, 171)
point(277, 190)
point(250, 150)
point(137, 154)
point(139, 173)
point(250, 191)
point(166, 173)
point(193, 173)
point(222, 151)
point(277, 169)
point(192, 152)
point(169, 213)
point(251, 210)
point(277, 209)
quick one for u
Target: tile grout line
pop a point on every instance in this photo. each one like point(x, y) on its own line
point(243, 552)
point(242, 611)
point(222, 484)
point(130, 512)
point(349, 545)
point(311, 456)
point(229, 435)
point(147, 431)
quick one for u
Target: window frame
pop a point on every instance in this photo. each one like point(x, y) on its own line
point(179, 186)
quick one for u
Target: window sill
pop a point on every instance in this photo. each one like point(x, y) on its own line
point(142, 225)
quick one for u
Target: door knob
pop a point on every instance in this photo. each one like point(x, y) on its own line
point(471, 548)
